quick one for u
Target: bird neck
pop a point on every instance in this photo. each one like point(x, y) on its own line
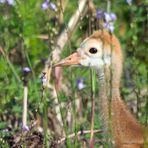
point(109, 84)
point(103, 99)
point(115, 75)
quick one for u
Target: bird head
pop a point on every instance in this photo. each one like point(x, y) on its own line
point(94, 51)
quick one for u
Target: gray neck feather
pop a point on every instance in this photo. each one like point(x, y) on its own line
point(103, 99)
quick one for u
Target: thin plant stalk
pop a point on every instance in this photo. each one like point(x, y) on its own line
point(78, 134)
point(45, 110)
point(108, 5)
point(93, 80)
point(74, 109)
point(45, 118)
point(26, 72)
point(24, 118)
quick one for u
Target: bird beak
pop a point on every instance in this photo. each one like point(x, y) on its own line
point(73, 59)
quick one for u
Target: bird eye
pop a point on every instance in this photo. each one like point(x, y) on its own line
point(93, 50)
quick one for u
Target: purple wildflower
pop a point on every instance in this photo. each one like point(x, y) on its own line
point(109, 26)
point(80, 83)
point(45, 5)
point(11, 2)
point(25, 128)
point(44, 81)
point(26, 74)
point(26, 70)
point(113, 16)
point(52, 6)
point(100, 14)
point(110, 17)
point(107, 17)
point(2, 1)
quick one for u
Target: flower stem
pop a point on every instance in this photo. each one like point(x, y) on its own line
point(92, 107)
point(24, 118)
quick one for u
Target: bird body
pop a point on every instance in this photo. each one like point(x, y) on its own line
point(102, 51)
point(126, 130)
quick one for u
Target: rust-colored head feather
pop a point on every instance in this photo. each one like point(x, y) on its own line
point(108, 40)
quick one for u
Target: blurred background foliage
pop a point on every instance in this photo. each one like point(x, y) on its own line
point(21, 25)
